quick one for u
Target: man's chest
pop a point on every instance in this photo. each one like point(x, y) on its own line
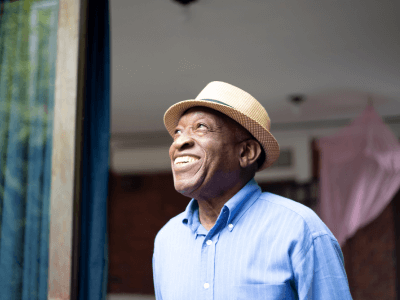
point(227, 266)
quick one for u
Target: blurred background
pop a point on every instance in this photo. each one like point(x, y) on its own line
point(85, 178)
point(315, 66)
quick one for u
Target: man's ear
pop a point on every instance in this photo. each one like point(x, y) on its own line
point(250, 151)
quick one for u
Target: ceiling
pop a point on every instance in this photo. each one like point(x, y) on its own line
point(335, 52)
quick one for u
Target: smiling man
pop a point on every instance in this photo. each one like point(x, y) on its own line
point(233, 241)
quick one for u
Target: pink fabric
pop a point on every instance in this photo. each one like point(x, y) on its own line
point(360, 173)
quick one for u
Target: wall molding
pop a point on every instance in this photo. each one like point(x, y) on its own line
point(147, 152)
point(155, 159)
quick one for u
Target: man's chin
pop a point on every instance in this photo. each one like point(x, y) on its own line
point(184, 190)
point(186, 187)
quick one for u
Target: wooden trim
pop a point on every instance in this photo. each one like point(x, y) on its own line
point(316, 159)
point(66, 150)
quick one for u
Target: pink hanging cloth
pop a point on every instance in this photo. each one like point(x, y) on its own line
point(360, 174)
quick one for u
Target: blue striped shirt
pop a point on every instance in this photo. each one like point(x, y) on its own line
point(262, 246)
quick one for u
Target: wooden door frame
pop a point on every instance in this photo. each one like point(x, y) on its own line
point(67, 149)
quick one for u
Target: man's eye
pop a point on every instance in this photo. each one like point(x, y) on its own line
point(201, 126)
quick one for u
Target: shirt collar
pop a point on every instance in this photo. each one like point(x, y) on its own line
point(239, 203)
point(191, 215)
point(236, 206)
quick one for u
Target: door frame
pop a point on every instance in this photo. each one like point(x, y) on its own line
point(67, 149)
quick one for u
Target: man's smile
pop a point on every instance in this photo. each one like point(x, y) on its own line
point(185, 159)
point(185, 163)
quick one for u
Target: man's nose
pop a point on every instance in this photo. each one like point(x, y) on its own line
point(182, 141)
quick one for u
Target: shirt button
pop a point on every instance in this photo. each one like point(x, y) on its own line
point(230, 226)
point(209, 242)
point(206, 285)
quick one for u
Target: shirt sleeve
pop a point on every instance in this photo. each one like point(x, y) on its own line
point(319, 272)
point(156, 283)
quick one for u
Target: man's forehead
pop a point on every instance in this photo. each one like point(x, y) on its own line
point(201, 111)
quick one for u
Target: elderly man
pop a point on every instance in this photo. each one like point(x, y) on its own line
point(233, 241)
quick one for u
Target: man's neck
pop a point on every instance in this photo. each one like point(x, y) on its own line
point(208, 213)
point(209, 209)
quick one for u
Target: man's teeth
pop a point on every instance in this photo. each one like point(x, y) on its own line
point(185, 159)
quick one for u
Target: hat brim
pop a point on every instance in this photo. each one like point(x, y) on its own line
point(264, 137)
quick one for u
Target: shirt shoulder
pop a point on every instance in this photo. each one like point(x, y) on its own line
point(297, 224)
point(298, 211)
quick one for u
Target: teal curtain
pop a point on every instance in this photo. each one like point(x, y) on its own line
point(93, 264)
point(28, 41)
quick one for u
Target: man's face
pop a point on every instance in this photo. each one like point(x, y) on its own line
point(204, 158)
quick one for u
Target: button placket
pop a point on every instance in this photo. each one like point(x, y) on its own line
point(206, 266)
point(208, 260)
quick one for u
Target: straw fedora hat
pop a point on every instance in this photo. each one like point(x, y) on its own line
point(236, 104)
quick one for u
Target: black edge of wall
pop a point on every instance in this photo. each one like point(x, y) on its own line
point(396, 221)
point(79, 140)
